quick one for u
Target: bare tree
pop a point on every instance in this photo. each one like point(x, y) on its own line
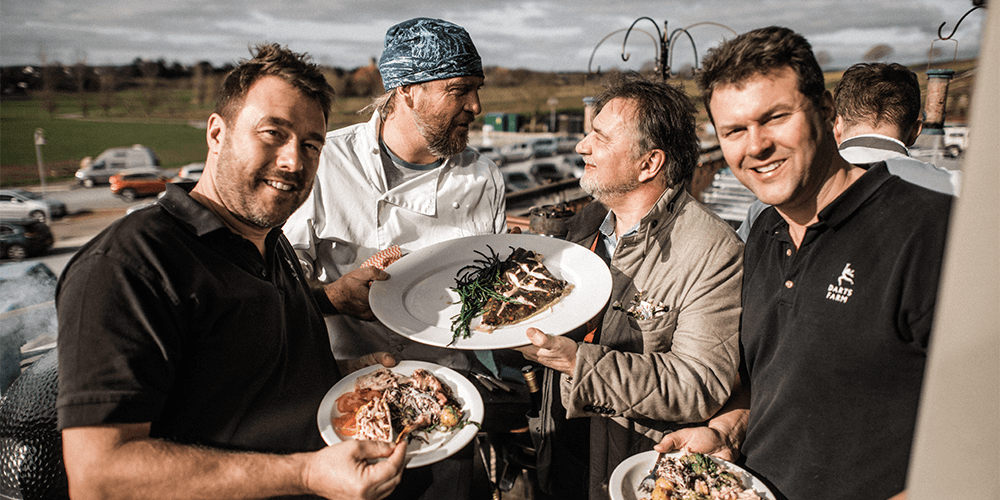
point(880, 51)
point(823, 58)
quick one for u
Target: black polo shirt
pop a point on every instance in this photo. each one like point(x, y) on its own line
point(169, 317)
point(835, 338)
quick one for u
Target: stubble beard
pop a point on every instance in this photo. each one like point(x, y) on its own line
point(443, 140)
point(604, 192)
point(242, 203)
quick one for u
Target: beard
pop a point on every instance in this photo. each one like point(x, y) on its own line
point(604, 191)
point(249, 199)
point(443, 139)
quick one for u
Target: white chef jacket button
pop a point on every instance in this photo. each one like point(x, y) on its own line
point(455, 204)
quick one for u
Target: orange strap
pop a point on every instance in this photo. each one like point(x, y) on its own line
point(595, 323)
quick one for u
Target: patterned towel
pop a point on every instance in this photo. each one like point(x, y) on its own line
point(382, 259)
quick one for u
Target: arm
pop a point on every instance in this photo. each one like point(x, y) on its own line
point(690, 355)
point(349, 293)
point(121, 461)
point(722, 436)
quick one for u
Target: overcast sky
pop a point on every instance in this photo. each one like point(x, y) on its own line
point(544, 35)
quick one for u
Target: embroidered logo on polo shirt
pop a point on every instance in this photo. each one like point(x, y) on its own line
point(839, 292)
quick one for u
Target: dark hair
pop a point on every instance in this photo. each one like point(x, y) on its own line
point(273, 60)
point(664, 119)
point(874, 93)
point(761, 51)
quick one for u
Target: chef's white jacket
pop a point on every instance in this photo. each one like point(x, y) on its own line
point(350, 216)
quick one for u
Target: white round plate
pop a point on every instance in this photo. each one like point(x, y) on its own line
point(417, 301)
point(627, 476)
point(439, 445)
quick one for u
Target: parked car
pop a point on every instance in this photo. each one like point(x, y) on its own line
point(57, 209)
point(543, 147)
point(14, 206)
point(21, 238)
point(566, 144)
point(132, 184)
point(519, 151)
point(955, 141)
point(189, 172)
point(573, 165)
point(491, 153)
point(515, 180)
point(545, 173)
point(115, 160)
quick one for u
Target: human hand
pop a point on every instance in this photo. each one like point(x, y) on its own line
point(558, 353)
point(351, 470)
point(381, 357)
point(704, 439)
point(349, 294)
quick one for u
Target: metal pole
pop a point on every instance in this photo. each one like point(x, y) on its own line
point(39, 140)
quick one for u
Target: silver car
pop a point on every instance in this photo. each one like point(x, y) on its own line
point(15, 206)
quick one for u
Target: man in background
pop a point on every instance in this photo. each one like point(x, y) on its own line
point(192, 354)
point(839, 286)
point(878, 118)
point(404, 179)
point(665, 353)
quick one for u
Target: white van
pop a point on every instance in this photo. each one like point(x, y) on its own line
point(115, 160)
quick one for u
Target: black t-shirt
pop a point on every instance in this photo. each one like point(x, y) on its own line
point(169, 317)
point(835, 338)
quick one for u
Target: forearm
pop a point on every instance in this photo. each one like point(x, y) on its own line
point(731, 421)
point(659, 386)
point(146, 468)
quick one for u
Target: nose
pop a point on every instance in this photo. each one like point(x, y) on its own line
point(583, 147)
point(758, 142)
point(290, 155)
point(473, 105)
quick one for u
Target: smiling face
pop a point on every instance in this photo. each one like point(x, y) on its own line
point(443, 110)
point(612, 168)
point(267, 158)
point(775, 140)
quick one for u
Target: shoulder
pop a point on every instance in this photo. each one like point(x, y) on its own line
point(138, 243)
point(698, 224)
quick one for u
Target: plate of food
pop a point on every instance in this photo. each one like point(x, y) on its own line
point(679, 474)
point(433, 407)
point(483, 292)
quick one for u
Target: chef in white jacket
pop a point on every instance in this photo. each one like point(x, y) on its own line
point(405, 179)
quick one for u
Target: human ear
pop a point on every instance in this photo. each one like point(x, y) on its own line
point(216, 132)
point(652, 165)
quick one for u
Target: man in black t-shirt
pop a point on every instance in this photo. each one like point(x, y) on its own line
point(840, 281)
point(192, 355)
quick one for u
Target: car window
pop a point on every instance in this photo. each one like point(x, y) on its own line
point(6, 197)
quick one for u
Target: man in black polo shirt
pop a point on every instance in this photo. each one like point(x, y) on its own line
point(192, 355)
point(840, 280)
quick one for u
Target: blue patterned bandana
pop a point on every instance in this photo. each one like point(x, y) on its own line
point(423, 49)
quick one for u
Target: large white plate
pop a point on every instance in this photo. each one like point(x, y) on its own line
point(417, 301)
point(439, 445)
point(627, 476)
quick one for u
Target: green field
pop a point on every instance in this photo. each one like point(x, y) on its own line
point(69, 140)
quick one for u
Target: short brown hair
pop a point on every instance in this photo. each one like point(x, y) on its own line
point(274, 60)
point(664, 119)
point(761, 51)
point(874, 93)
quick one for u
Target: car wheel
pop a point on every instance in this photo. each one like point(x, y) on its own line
point(88, 182)
point(16, 251)
point(953, 151)
point(128, 195)
point(38, 215)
